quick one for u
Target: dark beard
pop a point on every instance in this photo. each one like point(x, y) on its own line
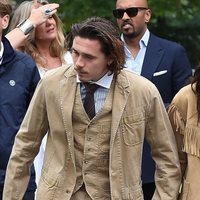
point(126, 34)
point(130, 35)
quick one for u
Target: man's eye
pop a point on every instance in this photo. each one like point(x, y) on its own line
point(74, 52)
point(89, 57)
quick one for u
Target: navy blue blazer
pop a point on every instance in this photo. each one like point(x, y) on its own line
point(167, 66)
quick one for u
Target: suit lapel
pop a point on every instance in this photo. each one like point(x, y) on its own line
point(67, 93)
point(121, 93)
point(153, 56)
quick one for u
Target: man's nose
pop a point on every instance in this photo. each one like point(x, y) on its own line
point(79, 62)
point(125, 16)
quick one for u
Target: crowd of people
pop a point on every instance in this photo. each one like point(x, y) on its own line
point(105, 113)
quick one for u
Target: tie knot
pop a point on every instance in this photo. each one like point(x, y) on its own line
point(90, 87)
point(89, 103)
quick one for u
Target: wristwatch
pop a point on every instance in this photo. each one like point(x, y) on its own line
point(26, 26)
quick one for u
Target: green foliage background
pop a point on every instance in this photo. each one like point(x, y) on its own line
point(177, 20)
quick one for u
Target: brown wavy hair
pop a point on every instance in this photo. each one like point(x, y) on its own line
point(5, 8)
point(97, 28)
point(70, 36)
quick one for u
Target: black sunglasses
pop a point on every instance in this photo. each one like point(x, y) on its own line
point(131, 12)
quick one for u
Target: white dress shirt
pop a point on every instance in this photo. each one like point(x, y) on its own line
point(135, 64)
point(1, 52)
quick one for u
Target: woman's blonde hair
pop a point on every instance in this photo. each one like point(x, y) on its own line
point(57, 47)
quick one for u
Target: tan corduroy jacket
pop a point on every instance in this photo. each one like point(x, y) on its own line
point(183, 116)
point(138, 112)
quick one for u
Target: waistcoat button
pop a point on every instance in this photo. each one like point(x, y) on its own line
point(67, 191)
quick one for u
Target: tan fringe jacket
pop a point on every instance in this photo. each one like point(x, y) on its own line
point(183, 116)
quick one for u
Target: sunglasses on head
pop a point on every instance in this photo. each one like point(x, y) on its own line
point(131, 12)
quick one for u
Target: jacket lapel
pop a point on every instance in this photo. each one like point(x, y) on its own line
point(67, 93)
point(121, 93)
point(153, 56)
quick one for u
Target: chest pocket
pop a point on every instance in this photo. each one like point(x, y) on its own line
point(133, 129)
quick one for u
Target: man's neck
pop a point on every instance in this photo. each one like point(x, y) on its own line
point(132, 43)
point(133, 40)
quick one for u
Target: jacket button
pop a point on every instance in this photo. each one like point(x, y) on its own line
point(85, 161)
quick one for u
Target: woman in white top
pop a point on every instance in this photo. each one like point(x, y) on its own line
point(41, 36)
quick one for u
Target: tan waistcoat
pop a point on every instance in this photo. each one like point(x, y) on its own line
point(91, 142)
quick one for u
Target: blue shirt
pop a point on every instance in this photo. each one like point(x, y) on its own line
point(101, 93)
point(135, 64)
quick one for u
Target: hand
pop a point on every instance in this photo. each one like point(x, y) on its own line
point(38, 15)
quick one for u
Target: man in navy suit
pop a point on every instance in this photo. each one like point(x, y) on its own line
point(163, 62)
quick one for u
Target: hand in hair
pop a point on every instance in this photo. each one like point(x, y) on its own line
point(38, 15)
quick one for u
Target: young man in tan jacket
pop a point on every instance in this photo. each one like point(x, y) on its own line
point(94, 157)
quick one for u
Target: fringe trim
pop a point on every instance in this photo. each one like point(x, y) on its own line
point(191, 133)
point(177, 121)
point(192, 141)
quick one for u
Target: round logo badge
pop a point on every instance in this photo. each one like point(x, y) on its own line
point(12, 82)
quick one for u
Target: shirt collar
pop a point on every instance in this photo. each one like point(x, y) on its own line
point(145, 38)
point(105, 81)
point(143, 42)
point(1, 51)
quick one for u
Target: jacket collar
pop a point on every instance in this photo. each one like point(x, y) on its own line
point(8, 55)
point(8, 52)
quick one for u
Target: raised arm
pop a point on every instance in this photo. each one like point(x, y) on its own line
point(39, 15)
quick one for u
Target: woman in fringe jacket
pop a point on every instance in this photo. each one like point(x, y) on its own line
point(184, 113)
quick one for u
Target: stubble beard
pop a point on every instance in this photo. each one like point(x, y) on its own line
point(129, 35)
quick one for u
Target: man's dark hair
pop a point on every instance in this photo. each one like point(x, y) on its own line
point(5, 8)
point(97, 28)
point(70, 36)
point(196, 89)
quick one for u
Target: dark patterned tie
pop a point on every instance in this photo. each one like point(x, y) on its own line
point(89, 104)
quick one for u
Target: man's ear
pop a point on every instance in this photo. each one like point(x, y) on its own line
point(110, 61)
point(5, 21)
point(147, 15)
